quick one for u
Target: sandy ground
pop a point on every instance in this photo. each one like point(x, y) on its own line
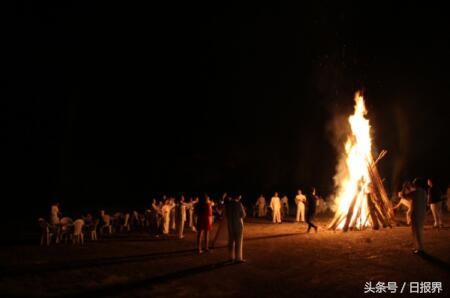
point(282, 261)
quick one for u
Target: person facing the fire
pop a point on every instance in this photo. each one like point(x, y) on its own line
point(311, 203)
point(204, 222)
point(235, 214)
point(418, 196)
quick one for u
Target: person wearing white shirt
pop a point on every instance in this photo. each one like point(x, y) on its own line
point(300, 201)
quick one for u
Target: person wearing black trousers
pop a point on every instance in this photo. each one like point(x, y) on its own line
point(311, 203)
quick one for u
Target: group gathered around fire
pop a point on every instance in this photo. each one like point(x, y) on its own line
point(170, 217)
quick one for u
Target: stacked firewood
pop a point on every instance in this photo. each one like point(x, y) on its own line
point(380, 212)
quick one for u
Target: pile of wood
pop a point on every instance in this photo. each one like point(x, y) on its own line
point(380, 209)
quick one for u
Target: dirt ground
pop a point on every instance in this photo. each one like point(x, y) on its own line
point(282, 261)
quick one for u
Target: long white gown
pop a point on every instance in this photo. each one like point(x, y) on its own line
point(275, 205)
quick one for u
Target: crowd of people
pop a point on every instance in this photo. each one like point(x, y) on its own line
point(164, 218)
point(169, 217)
point(306, 207)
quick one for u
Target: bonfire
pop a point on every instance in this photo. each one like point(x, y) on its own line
point(360, 198)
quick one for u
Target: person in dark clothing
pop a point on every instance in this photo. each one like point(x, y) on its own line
point(418, 196)
point(235, 214)
point(311, 203)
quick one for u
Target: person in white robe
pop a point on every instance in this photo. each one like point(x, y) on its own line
point(261, 206)
point(300, 201)
point(181, 217)
point(275, 205)
point(166, 208)
point(191, 209)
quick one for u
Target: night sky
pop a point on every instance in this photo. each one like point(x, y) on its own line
point(113, 104)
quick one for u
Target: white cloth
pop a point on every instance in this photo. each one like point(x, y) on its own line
point(275, 205)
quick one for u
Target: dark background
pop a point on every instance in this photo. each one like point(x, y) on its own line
point(109, 104)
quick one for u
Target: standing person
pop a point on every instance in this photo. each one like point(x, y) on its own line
point(275, 205)
point(173, 221)
point(261, 208)
point(435, 200)
point(321, 205)
point(165, 210)
point(418, 196)
point(204, 222)
point(155, 219)
point(221, 218)
point(235, 214)
point(311, 210)
point(300, 201)
point(55, 214)
point(181, 217)
point(285, 207)
point(191, 209)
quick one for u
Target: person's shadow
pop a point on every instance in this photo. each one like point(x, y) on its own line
point(150, 281)
point(435, 261)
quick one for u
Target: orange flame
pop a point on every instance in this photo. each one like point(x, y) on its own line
point(353, 179)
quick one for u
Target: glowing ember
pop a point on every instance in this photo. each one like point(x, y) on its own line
point(353, 179)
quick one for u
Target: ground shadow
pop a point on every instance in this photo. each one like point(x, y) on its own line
point(435, 261)
point(55, 267)
point(109, 261)
point(148, 282)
